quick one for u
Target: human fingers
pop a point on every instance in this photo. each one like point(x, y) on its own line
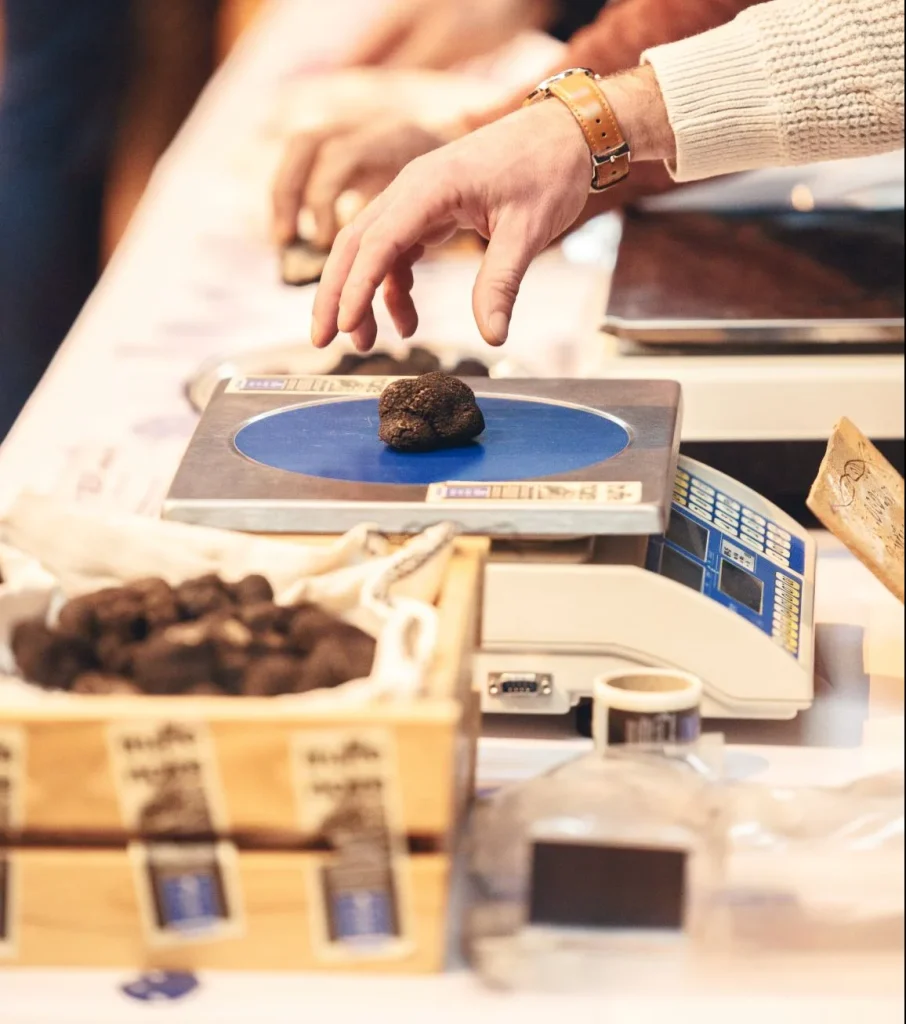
point(410, 214)
point(398, 286)
point(365, 335)
point(512, 247)
point(336, 164)
point(336, 270)
point(289, 186)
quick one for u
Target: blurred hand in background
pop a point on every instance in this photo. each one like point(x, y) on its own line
point(437, 34)
point(320, 166)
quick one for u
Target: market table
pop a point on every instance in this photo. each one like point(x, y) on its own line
point(196, 277)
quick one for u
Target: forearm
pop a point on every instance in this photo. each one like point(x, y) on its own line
point(788, 82)
point(621, 33)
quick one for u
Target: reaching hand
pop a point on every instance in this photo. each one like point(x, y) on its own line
point(437, 34)
point(520, 182)
point(320, 166)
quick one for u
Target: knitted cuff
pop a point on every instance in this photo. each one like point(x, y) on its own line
point(717, 90)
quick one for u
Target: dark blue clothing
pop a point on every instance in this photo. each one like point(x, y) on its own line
point(59, 102)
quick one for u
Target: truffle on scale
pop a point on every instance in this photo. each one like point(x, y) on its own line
point(422, 414)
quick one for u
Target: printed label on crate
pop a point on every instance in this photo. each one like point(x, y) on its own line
point(187, 892)
point(166, 778)
point(12, 775)
point(364, 386)
point(347, 788)
point(520, 492)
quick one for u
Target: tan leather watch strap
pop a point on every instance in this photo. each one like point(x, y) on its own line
point(583, 95)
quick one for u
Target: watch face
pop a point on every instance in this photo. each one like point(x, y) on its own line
point(548, 82)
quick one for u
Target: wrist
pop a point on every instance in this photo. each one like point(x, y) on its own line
point(638, 106)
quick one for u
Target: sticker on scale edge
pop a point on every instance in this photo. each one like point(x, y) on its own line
point(565, 492)
point(365, 386)
point(347, 791)
point(12, 775)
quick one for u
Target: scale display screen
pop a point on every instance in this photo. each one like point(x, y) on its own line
point(688, 535)
point(682, 570)
point(741, 586)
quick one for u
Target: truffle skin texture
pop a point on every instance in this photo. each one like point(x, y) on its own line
point(48, 658)
point(424, 413)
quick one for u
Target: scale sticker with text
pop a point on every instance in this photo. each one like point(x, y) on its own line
point(360, 386)
point(521, 492)
point(347, 791)
point(12, 776)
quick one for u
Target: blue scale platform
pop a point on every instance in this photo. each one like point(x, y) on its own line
point(523, 440)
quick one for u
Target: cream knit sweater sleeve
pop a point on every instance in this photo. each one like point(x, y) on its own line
point(787, 82)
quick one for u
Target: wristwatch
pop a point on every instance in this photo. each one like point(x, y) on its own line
point(580, 90)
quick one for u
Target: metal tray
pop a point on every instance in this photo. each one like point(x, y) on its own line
point(829, 277)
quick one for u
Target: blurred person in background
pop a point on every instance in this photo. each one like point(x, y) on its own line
point(320, 166)
point(436, 34)
point(90, 90)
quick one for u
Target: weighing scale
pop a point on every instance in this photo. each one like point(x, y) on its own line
point(607, 549)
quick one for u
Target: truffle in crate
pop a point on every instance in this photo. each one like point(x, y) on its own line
point(205, 636)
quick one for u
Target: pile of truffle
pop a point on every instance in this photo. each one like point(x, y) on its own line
point(418, 361)
point(204, 637)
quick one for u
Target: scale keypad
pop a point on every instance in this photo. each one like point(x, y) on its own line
point(735, 555)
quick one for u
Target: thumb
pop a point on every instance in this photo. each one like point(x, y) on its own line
point(511, 249)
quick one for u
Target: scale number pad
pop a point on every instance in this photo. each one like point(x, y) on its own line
point(787, 603)
point(733, 519)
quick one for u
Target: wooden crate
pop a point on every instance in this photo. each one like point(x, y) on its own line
point(72, 892)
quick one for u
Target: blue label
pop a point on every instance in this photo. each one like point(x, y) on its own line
point(363, 915)
point(190, 901)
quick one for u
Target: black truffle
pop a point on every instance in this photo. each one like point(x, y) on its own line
point(77, 618)
point(202, 596)
point(471, 368)
point(342, 654)
point(419, 360)
point(252, 590)
point(49, 658)
point(428, 412)
point(308, 624)
point(115, 655)
point(273, 674)
point(175, 660)
point(121, 611)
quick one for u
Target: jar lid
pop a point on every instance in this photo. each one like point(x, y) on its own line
point(648, 691)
